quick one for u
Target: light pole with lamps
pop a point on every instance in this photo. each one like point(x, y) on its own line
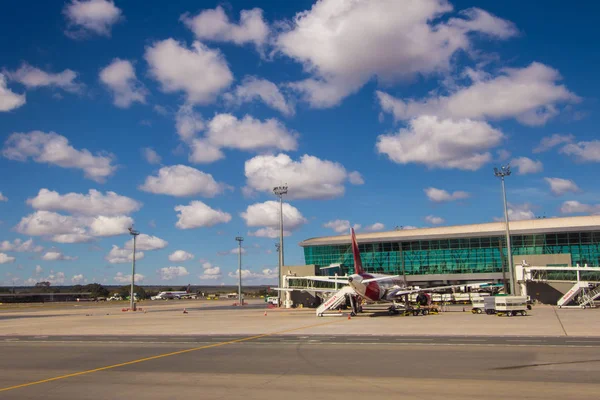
point(501, 173)
point(280, 191)
point(240, 240)
point(131, 297)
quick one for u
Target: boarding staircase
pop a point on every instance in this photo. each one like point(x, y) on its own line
point(336, 300)
point(581, 294)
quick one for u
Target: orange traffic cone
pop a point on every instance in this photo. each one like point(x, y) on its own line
point(349, 316)
point(265, 313)
point(185, 311)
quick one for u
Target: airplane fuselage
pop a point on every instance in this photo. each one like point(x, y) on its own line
point(375, 290)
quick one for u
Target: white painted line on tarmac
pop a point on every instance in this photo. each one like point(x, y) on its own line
point(582, 341)
point(468, 340)
point(362, 339)
point(524, 340)
point(416, 340)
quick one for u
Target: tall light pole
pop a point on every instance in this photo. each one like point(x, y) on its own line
point(501, 173)
point(240, 240)
point(280, 191)
point(131, 300)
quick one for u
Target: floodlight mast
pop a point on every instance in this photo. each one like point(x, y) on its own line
point(240, 240)
point(502, 173)
point(280, 191)
point(133, 233)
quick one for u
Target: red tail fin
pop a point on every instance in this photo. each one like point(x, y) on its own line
point(358, 269)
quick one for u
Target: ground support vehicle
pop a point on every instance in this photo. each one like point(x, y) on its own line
point(506, 305)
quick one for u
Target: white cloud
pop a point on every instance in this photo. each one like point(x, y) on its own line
point(248, 133)
point(53, 225)
point(147, 243)
point(235, 250)
point(199, 215)
point(575, 207)
point(55, 278)
point(119, 77)
point(85, 17)
point(121, 256)
point(560, 186)
point(440, 195)
point(180, 256)
point(265, 274)
point(170, 273)
point(214, 25)
point(269, 232)
point(377, 226)
point(583, 151)
point(202, 73)
point(20, 246)
point(55, 149)
point(441, 143)
point(204, 152)
point(518, 212)
point(549, 142)
point(253, 88)
point(78, 279)
point(340, 225)
point(6, 259)
point(434, 220)
point(3, 197)
point(9, 100)
point(57, 256)
point(110, 226)
point(528, 94)
point(343, 45)
point(527, 165)
point(182, 181)
point(355, 178)
point(188, 122)
point(94, 203)
point(72, 238)
point(38, 270)
point(267, 215)
point(309, 178)
point(122, 278)
point(151, 156)
point(210, 272)
point(33, 77)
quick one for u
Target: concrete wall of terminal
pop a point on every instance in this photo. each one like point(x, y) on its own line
point(543, 260)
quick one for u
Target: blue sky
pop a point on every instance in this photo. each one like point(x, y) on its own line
point(182, 118)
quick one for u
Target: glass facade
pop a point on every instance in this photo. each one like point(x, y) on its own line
point(456, 256)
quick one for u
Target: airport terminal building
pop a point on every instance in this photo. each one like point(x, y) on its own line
point(461, 253)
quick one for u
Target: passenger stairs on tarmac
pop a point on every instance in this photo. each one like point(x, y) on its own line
point(581, 294)
point(336, 300)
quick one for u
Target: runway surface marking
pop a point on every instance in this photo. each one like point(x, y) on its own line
point(90, 371)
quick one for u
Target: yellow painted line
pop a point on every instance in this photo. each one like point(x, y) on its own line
point(89, 371)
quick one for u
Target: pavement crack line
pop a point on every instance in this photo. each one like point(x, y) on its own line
point(174, 353)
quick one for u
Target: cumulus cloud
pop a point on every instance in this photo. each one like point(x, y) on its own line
point(441, 143)
point(3, 197)
point(575, 207)
point(38, 270)
point(118, 255)
point(527, 165)
point(57, 227)
point(20, 246)
point(518, 212)
point(313, 178)
point(57, 256)
point(182, 181)
point(94, 203)
point(188, 122)
point(147, 243)
point(355, 178)
point(560, 186)
point(55, 278)
point(266, 216)
point(214, 25)
point(440, 195)
point(9, 100)
point(6, 259)
point(110, 226)
point(199, 215)
point(432, 219)
point(52, 148)
point(407, 39)
point(583, 151)
point(377, 226)
point(528, 94)
point(266, 274)
point(340, 225)
point(200, 72)
point(210, 272)
point(122, 278)
point(235, 250)
point(119, 77)
point(180, 256)
point(170, 273)
point(78, 279)
point(86, 17)
point(32, 78)
point(550, 142)
point(151, 156)
point(253, 88)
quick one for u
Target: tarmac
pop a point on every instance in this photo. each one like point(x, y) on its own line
point(96, 351)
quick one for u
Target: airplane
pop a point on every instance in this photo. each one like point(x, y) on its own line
point(172, 295)
point(377, 287)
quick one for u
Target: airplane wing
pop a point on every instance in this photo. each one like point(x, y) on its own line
point(394, 293)
point(381, 278)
